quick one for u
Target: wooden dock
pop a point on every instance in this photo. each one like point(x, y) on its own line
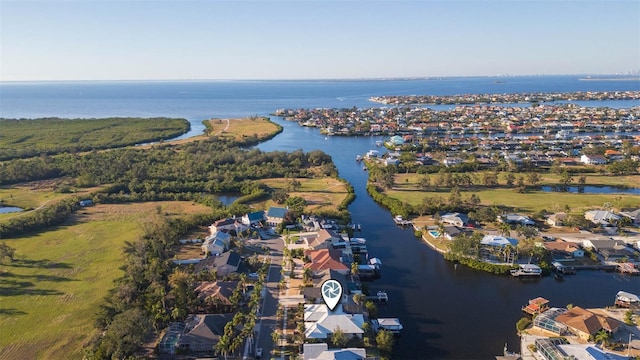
point(628, 268)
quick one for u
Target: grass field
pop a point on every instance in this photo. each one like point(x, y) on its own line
point(320, 194)
point(34, 194)
point(239, 128)
point(407, 190)
point(49, 295)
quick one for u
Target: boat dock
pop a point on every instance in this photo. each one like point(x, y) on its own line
point(628, 268)
point(381, 296)
point(400, 221)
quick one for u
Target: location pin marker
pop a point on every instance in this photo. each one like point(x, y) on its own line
point(331, 293)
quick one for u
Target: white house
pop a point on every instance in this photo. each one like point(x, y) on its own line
point(516, 219)
point(556, 219)
point(228, 224)
point(321, 351)
point(216, 243)
point(320, 322)
point(593, 159)
point(499, 241)
point(601, 217)
point(455, 219)
point(634, 215)
point(253, 218)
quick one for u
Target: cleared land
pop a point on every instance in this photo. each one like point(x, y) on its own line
point(50, 294)
point(320, 194)
point(25, 138)
point(240, 128)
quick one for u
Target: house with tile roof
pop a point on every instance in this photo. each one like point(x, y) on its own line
point(216, 294)
point(203, 332)
point(563, 250)
point(325, 259)
point(585, 323)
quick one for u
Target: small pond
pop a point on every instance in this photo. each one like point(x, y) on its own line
point(9, 209)
point(590, 189)
point(227, 198)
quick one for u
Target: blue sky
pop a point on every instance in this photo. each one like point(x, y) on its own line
point(161, 40)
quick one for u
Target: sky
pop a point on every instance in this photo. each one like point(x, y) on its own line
point(307, 39)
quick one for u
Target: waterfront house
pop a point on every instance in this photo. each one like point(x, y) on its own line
point(609, 249)
point(585, 323)
point(498, 241)
point(320, 322)
point(321, 352)
point(456, 219)
point(557, 219)
point(216, 243)
point(324, 259)
point(276, 215)
point(593, 159)
point(253, 218)
point(563, 250)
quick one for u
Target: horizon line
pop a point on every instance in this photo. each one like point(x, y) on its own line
point(382, 78)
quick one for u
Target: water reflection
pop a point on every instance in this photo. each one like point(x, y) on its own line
point(589, 189)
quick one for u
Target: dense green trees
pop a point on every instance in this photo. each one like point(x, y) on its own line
point(23, 138)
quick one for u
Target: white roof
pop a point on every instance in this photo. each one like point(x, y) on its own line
point(320, 323)
point(497, 240)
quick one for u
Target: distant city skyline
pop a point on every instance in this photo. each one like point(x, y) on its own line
point(297, 40)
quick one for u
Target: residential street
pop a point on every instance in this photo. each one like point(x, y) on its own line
point(267, 323)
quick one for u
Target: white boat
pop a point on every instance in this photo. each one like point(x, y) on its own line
point(527, 270)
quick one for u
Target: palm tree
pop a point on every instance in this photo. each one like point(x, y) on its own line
point(222, 347)
point(603, 337)
point(307, 274)
point(505, 229)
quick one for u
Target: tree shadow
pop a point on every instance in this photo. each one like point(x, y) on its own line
point(42, 264)
point(38, 277)
point(11, 311)
point(10, 287)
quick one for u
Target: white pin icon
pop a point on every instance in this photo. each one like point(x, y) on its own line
point(331, 293)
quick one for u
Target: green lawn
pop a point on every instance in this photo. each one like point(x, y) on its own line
point(320, 193)
point(530, 201)
point(49, 295)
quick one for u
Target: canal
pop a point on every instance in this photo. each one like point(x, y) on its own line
point(447, 312)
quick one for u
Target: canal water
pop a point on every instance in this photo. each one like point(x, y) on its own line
point(447, 312)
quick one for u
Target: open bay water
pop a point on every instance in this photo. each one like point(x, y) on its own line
point(447, 312)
